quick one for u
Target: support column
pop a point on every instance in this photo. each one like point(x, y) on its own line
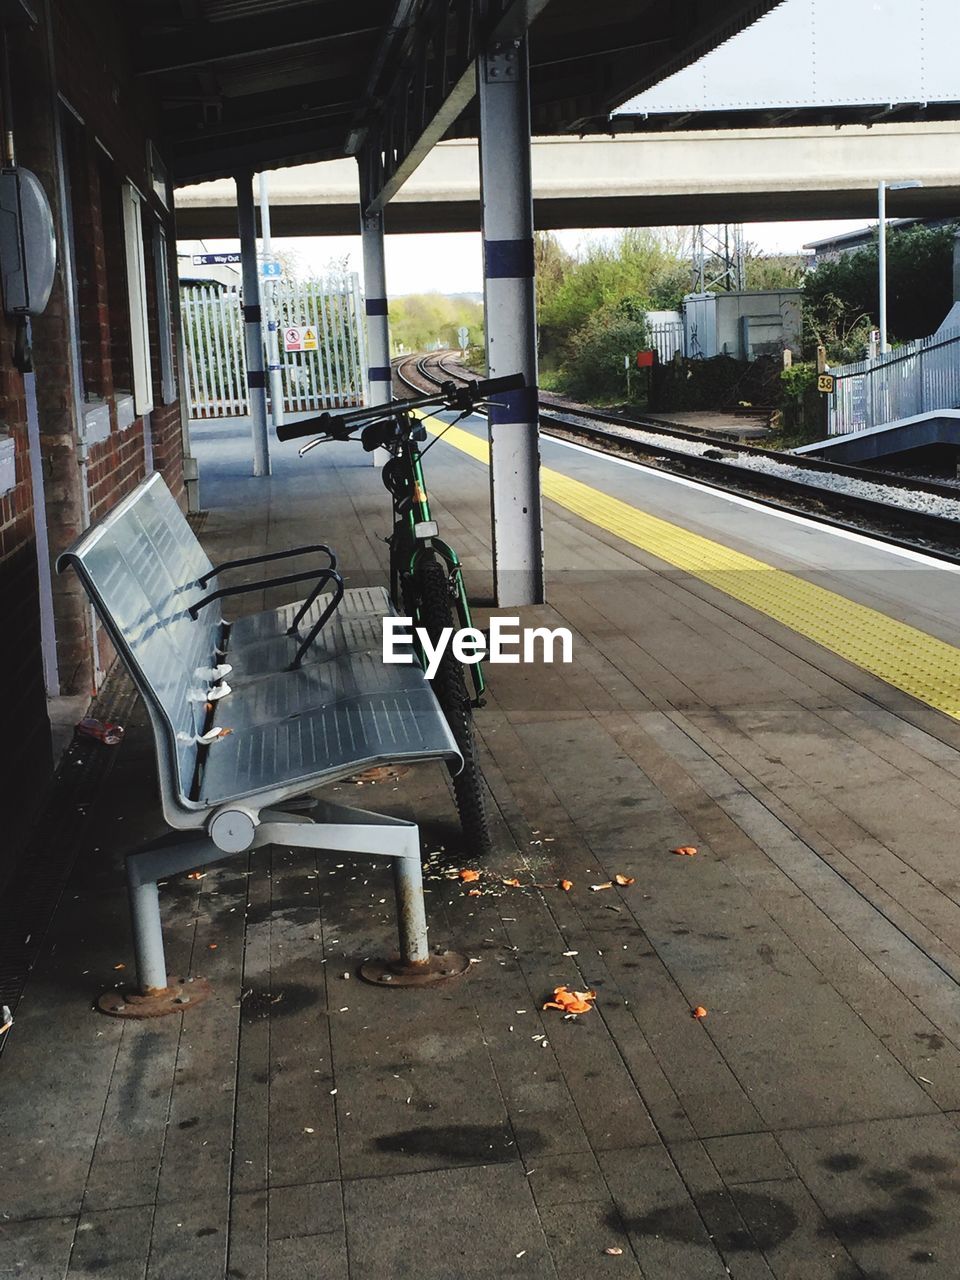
point(272, 311)
point(510, 320)
point(252, 317)
point(378, 324)
point(379, 378)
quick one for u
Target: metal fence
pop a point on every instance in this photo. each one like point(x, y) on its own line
point(333, 375)
point(913, 379)
point(666, 339)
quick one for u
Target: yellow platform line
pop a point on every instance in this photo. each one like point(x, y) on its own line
point(903, 656)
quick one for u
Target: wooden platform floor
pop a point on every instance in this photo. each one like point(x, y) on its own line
point(305, 1126)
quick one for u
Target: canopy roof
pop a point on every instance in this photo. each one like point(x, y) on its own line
point(262, 83)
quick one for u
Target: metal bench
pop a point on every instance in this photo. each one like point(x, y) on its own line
point(252, 716)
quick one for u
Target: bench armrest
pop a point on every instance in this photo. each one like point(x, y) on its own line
point(321, 621)
point(272, 555)
point(324, 575)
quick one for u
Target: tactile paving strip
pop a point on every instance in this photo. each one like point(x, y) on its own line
point(902, 656)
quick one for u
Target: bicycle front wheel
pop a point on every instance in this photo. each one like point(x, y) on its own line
point(434, 606)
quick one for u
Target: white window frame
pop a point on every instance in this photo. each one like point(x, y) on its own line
point(137, 298)
point(168, 381)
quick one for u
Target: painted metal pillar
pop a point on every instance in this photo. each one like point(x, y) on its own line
point(379, 378)
point(503, 87)
point(271, 310)
point(252, 323)
point(378, 323)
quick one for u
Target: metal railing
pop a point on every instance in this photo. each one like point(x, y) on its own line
point(911, 380)
point(666, 338)
point(329, 374)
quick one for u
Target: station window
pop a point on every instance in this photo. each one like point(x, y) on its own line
point(142, 371)
point(161, 273)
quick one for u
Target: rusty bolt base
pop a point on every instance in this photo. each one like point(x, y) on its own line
point(179, 995)
point(392, 973)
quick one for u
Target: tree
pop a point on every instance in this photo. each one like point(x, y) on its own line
point(419, 320)
point(551, 262)
point(643, 267)
point(842, 298)
point(772, 271)
point(595, 352)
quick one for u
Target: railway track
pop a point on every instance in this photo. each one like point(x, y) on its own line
point(875, 503)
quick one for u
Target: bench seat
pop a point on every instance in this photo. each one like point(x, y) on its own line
point(290, 730)
point(259, 643)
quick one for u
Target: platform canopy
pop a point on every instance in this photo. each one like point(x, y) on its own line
point(262, 83)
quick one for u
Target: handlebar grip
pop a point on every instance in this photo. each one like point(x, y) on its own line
point(490, 386)
point(319, 425)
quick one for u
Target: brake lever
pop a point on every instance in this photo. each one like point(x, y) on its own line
point(312, 444)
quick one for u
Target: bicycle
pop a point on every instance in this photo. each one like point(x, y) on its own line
point(426, 576)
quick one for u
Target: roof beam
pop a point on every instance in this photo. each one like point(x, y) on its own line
point(435, 81)
point(287, 148)
point(211, 43)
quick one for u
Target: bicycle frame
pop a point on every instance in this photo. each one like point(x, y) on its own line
point(411, 509)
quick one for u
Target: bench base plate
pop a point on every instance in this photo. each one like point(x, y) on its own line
point(394, 973)
point(179, 995)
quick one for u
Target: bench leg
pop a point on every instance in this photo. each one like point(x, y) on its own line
point(157, 992)
point(147, 936)
point(411, 913)
point(348, 830)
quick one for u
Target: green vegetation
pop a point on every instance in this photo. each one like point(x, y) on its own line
point(595, 353)
point(772, 271)
point(802, 416)
point(421, 320)
point(841, 299)
point(591, 306)
point(640, 269)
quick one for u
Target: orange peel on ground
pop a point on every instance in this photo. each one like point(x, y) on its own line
point(568, 1001)
point(698, 1012)
point(685, 850)
point(468, 875)
point(566, 885)
point(512, 880)
point(625, 879)
point(473, 893)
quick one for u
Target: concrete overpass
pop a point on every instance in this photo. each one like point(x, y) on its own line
point(659, 179)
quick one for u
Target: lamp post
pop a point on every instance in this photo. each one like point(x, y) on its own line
point(882, 189)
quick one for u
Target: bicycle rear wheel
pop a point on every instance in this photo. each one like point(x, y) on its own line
point(433, 601)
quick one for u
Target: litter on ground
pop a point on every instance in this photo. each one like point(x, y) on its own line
point(568, 1001)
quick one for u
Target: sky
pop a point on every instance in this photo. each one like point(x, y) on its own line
point(451, 263)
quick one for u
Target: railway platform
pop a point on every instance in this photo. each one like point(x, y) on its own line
point(783, 697)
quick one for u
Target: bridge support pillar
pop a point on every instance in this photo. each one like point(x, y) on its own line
point(252, 323)
point(510, 320)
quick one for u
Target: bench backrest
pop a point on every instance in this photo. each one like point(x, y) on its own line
point(140, 565)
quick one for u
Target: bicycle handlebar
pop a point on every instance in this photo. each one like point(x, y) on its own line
point(339, 426)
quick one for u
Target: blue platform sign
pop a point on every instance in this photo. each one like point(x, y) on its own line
point(270, 270)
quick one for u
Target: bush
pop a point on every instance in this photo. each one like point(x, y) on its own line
point(841, 298)
point(595, 352)
point(803, 407)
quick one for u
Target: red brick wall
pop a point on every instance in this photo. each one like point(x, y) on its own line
point(93, 73)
